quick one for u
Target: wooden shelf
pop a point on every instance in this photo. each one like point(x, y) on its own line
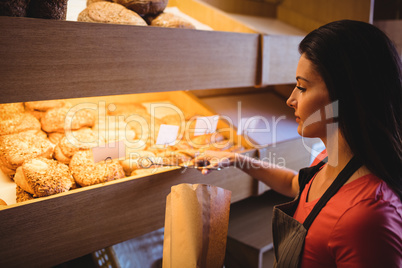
point(64, 59)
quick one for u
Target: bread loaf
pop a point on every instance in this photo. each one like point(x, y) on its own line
point(86, 172)
point(9, 110)
point(54, 120)
point(81, 139)
point(22, 195)
point(107, 12)
point(20, 147)
point(170, 20)
point(43, 177)
point(19, 123)
point(144, 7)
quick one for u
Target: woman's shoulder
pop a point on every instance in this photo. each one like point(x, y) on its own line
point(369, 198)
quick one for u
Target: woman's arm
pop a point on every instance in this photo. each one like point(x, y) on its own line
point(281, 180)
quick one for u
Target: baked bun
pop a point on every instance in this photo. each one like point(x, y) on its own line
point(89, 2)
point(22, 196)
point(55, 137)
point(9, 110)
point(144, 7)
point(113, 128)
point(55, 119)
point(38, 108)
point(15, 8)
point(86, 172)
point(134, 160)
point(107, 12)
point(48, 9)
point(17, 148)
point(82, 139)
point(126, 109)
point(170, 20)
point(20, 122)
point(43, 177)
point(3, 203)
point(43, 106)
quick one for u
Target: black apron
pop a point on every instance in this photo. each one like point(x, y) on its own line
point(288, 233)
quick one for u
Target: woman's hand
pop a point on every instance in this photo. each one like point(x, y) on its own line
point(210, 160)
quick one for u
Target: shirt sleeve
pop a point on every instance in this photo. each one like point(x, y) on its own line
point(368, 235)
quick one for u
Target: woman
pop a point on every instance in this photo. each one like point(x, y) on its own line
point(348, 210)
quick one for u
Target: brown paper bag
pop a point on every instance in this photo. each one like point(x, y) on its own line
point(196, 226)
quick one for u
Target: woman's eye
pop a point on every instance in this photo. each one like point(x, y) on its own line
point(301, 88)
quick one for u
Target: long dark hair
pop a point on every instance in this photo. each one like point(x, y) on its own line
point(362, 70)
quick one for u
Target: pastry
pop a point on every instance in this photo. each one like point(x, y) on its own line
point(3, 203)
point(43, 106)
point(22, 196)
point(107, 12)
point(57, 119)
point(126, 109)
point(43, 177)
point(144, 7)
point(205, 140)
point(86, 172)
point(55, 137)
point(136, 160)
point(81, 139)
point(170, 20)
point(20, 147)
point(20, 122)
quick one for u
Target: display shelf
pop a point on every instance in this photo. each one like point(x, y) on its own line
point(44, 59)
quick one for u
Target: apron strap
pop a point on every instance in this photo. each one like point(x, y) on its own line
point(305, 174)
point(353, 165)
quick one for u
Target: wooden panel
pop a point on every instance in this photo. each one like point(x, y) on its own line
point(52, 230)
point(310, 14)
point(42, 59)
point(280, 58)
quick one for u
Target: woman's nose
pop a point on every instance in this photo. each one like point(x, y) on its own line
point(291, 101)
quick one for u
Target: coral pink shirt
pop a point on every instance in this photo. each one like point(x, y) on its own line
point(360, 226)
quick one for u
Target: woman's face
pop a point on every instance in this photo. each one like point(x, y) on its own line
point(309, 98)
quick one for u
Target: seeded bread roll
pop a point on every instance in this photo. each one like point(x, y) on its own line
point(43, 177)
point(9, 110)
point(169, 20)
point(144, 7)
point(22, 196)
point(17, 148)
point(82, 139)
point(20, 122)
point(86, 172)
point(107, 12)
point(54, 120)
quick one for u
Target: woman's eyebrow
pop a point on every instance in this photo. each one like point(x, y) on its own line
point(301, 78)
